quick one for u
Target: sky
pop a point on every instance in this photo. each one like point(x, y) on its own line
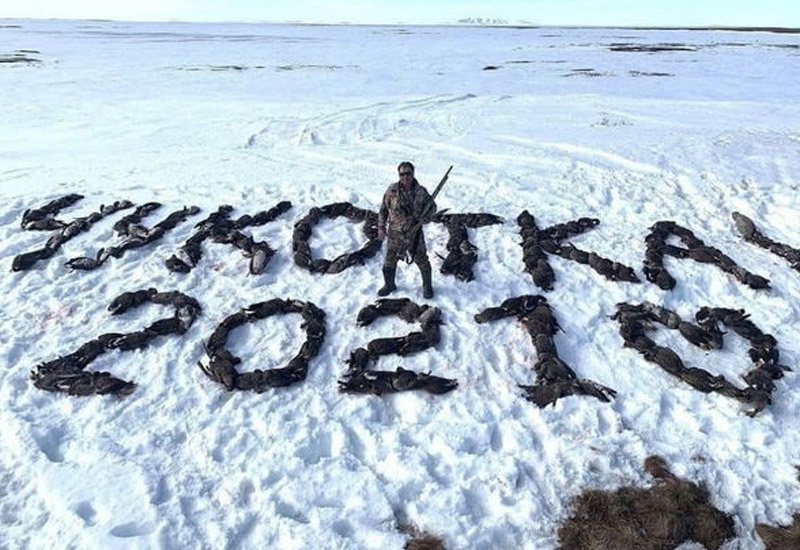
point(785, 13)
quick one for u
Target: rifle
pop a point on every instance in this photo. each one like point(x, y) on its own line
point(417, 228)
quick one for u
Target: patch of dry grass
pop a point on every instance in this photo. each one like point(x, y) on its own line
point(672, 512)
point(420, 540)
point(781, 538)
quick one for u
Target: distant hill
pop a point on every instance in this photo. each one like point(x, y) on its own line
point(482, 21)
point(493, 22)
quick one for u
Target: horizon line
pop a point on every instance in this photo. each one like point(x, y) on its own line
point(459, 23)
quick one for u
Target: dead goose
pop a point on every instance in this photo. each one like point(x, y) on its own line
point(262, 310)
point(26, 260)
point(416, 342)
point(744, 225)
point(367, 315)
point(385, 346)
point(549, 394)
point(261, 255)
point(162, 327)
point(359, 359)
point(703, 380)
point(384, 382)
point(701, 338)
point(131, 341)
point(550, 368)
point(128, 300)
point(666, 359)
point(88, 383)
point(221, 368)
point(85, 263)
point(45, 224)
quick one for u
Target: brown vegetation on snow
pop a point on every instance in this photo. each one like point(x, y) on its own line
point(670, 513)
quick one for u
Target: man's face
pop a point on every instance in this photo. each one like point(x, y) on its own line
point(406, 175)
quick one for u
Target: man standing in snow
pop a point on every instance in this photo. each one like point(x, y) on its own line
point(406, 206)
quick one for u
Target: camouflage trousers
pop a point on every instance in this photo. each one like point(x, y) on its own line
point(397, 244)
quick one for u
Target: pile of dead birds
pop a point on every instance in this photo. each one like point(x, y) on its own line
point(220, 228)
point(554, 378)
point(135, 235)
point(696, 250)
point(67, 374)
point(538, 243)
point(636, 320)
point(43, 219)
point(748, 230)
point(304, 227)
point(359, 379)
point(222, 363)
point(671, 513)
point(462, 254)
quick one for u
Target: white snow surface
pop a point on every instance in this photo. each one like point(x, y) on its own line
point(319, 114)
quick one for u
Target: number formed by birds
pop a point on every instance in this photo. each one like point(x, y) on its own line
point(304, 227)
point(359, 379)
point(67, 374)
point(221, 365)
point(636, 320)
point(554, 378)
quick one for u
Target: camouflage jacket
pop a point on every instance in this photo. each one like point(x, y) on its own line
point(402, 209)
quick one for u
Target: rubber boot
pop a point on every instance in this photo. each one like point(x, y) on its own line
point(427, 284)
point(388, 281)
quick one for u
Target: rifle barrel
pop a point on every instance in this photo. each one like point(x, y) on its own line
point(442, 182)
point(417, 228)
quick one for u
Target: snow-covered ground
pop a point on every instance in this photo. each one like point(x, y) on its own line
point(566, 125)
